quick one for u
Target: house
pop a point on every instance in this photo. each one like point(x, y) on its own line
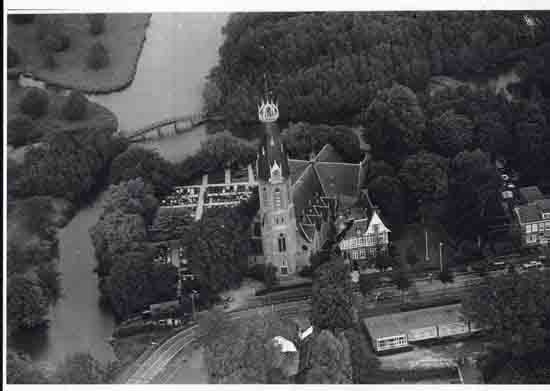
point(533, 220)
point(397, 331)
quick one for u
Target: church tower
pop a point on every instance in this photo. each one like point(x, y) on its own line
point(274, 185)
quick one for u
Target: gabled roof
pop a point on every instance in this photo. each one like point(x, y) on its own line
point(305, 189)
point(328, 154)
point(296, 168)
point(339, 178)
point(271, 150)
point(531, 193)
point(533, 211)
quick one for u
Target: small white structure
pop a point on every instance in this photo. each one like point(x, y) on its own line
point(285, 344)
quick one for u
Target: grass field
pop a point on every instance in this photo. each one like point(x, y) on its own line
point(123, 37)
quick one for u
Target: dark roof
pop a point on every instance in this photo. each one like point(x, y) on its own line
point(531, 193)
point(271, 150)
point(328, 154)
point(533, 211)
point(296, 168)
point(339, 178)
point(305, 189)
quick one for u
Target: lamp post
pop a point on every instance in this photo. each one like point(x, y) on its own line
point(441, 257)
point(193, 294)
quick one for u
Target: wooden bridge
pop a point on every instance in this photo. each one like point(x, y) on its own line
point(170, 126)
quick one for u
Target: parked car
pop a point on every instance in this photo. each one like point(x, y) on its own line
point(532, 265)
point(494, 265)
point(505, 177)
point(383, 296)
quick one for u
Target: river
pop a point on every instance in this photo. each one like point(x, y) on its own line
point(177, 55)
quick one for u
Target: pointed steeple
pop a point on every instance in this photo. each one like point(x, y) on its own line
point(271, 149)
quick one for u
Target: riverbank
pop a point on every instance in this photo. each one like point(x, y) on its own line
point(123, 38)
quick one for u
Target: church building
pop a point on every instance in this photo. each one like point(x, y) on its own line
point(301, 202)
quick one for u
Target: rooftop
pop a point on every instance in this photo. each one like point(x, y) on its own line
point(533, 211)
point(531, 193)
point(402, 322)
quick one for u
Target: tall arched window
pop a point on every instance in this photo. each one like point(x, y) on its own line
point(277, 198)
point(282, 243)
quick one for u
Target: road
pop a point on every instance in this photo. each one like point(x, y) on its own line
point(161, 357)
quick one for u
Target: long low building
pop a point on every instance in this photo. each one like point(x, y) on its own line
point(398, 330)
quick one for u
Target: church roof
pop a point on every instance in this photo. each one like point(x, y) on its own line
point(272, 150)
point(296, 168)
point(306, 188)
point(339, 178)
point(328, 154)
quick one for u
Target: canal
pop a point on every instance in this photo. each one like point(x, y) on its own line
point(177, 55)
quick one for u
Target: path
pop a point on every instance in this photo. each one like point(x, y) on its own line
point(200, 205)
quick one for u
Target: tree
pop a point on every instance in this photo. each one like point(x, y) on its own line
point(331, 306)
point(49, 279)
point(424, 176)
point(211, 97)
point(138, 162)
point(331, 362)
point(135, 282)
point(21, 130)
point(240, 350)
point(514, 308)
point(34, 103)
point(411, 257)
point(383, 261)
point(451, 133)
point(395, 124)
point(363, 362)
point(473, 185)
point(401, 279)
point(134, 196)
point(80, 368)
point(366, 284)
point(378, 168)
point(21, 370)
point(387, 193)
point(97, 23)
point(98, 57)
point(21, 18)
point(26, 305)
point(75, 106)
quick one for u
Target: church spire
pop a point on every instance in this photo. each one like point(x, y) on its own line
point(271, 149)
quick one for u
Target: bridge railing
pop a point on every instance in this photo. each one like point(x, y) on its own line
point(191, 121)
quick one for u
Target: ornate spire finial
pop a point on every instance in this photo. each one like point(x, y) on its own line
point(268, 110)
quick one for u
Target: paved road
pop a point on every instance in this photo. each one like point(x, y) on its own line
point(161, 357)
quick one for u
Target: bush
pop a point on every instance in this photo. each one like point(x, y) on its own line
point(98, 57)
point(75, 106)
point(35, 102)
point(13, 57)
point(20, 130)
point(51, 34)
point(97, 23)
point(270, 276)
point(22, 18)
point(306, 271)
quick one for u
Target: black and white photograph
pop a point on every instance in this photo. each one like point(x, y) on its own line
point(292, 197)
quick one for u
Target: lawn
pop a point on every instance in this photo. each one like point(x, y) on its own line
point(123, 37)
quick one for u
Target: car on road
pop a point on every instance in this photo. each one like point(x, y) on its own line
point(383, 296)
point(532, 265)
point(497, 265)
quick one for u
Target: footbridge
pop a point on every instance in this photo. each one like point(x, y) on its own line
point(170, 126)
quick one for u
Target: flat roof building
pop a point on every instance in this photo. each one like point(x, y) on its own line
point(395, 331)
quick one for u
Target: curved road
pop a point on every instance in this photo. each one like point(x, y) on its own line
point(161, 357)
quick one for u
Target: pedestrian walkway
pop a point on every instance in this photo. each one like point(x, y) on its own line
point(227, 176)
point(251, 179)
